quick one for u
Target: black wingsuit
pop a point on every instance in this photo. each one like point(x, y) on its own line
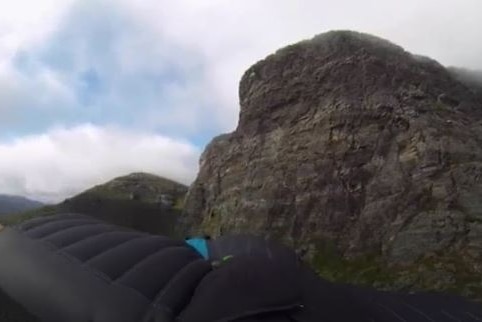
point(73, 268)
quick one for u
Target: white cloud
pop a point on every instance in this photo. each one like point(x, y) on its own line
point(25, 23)
point(63, 162)
point(232, 35)
point(207, 44)
point(43, 88)
point(212, 42)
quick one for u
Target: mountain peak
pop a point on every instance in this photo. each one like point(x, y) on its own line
point(349, 143)
point(138, 200)
point(138, 185)
point(343, 66)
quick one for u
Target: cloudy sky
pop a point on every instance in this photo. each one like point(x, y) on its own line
point(94, 89)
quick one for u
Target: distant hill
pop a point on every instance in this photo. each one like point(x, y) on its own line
point(12, 204)
point(140, 201)
point(144, 187)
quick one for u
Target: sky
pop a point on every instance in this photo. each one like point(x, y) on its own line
point(90, 90)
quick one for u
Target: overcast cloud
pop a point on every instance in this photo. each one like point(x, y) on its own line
point(56, 164)
point(84, 83)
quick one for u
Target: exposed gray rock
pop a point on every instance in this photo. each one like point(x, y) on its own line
point(348, 138)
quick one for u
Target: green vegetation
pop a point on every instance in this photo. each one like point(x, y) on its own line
point(441, 107)
point(448, 272)
point(140, 186)
point(179, 204)
point(17, 218)
point(368, 270)
point(140, 201)
point(443, 272)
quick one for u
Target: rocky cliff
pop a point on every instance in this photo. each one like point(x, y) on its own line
point(349, 140)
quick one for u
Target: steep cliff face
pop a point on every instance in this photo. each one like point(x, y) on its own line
point(349, 139)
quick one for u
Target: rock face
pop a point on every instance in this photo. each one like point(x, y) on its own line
point(350, 139)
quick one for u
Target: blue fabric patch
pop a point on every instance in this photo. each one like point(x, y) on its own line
point(200, 245)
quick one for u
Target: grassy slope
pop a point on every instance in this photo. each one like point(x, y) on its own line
point(443, 273)
point(131, 201)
